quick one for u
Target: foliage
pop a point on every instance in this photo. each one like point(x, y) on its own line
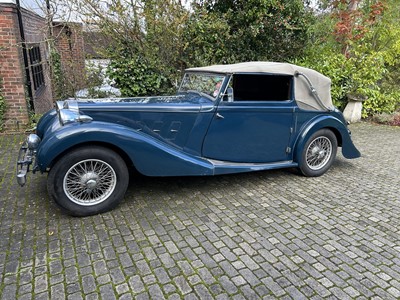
point(33, 120)
point(354, 23)
point(2, 107)
point(164, 40)
point(361, 55)
point(354, 42)
point(208, 39)
point(145, 35)
point(98, 85)
point(388, 119)
point(95, 75)
point(258, 29)
point(59, 86)
point(333, 65)
point(136, 76)
point(97, 93)
point(164, 37)
point(95, 78)
point(396, 120)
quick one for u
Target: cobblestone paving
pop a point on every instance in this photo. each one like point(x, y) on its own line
point(269, 235)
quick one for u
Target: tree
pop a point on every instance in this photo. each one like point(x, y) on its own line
point(207, 39)
point(143, 36)
point(261, 29)
point(361, 53)
point(164, 37)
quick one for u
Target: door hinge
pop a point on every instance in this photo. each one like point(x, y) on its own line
point(288, 150)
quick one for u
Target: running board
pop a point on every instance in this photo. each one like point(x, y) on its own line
point(227, 167)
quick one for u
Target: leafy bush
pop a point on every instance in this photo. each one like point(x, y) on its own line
point(60, 88)
point(151, 42)
point(97, 83)
point(332, 65)
point(388, 119)
point(95, 75)
point(396, 120)
point(252, 29)
point(363, 63)
point(135, 76)
point(362, 74)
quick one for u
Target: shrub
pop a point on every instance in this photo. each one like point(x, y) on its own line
point(388, 119)
point(363, 73)
point(135, 76)
point(396, 120)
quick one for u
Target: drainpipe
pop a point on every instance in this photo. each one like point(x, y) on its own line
point(25, 56)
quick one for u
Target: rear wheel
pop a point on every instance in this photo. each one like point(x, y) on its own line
point(318, 153)
point(88, 181)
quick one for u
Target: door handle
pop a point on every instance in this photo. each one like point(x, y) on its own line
point(219, 116)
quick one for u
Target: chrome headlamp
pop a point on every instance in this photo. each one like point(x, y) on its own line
point(68, 112)
point(33, 141)
point(67, 116)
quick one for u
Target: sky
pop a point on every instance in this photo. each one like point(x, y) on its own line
point(32, 5)
point(38, 6)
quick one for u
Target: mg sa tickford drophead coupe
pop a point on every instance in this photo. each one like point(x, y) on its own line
point(224, 119)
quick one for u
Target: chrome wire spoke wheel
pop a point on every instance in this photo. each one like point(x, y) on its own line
point(89, 182)
point(318, 153)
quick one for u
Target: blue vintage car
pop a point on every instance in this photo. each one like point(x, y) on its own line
point(224, 119)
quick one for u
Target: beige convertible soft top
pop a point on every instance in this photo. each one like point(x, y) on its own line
point(320, 99)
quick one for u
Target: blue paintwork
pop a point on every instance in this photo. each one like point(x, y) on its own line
point(150, 156)
point(172, 120)
point(310, 122)
point(250, 132)
point(45, 121)
point(189, 134)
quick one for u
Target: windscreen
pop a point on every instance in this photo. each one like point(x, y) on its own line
point(206, 84)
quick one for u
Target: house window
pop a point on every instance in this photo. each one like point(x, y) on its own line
point(36, 67)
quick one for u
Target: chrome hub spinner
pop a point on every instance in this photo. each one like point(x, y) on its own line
point(89, 182)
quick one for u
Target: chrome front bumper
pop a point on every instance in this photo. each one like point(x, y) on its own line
point(26, 158)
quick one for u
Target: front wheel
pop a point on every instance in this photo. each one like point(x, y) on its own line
point(318, 153)
point(88, 181)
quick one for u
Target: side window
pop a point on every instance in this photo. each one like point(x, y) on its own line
point(252, 87)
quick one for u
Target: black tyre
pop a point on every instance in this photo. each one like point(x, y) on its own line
point(88, 181)
point(318, 153)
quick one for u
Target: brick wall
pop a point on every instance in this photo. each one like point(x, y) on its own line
point(70, 46)
point(11, 70)
point(35, 35)
point(69, 43)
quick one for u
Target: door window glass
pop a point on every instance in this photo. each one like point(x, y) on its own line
point(252, 87)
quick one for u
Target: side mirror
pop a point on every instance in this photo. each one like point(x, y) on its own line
point(229, 92)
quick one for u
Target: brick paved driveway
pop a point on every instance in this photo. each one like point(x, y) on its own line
point(271, 234)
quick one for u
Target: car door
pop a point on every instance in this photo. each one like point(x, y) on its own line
point(256, 126)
